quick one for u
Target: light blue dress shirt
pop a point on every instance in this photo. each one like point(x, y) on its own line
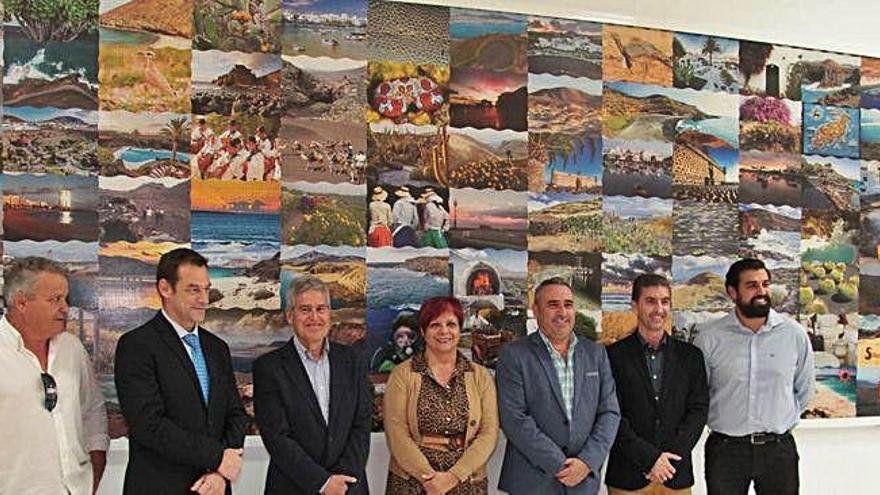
point(319, 374)
point(758, 381)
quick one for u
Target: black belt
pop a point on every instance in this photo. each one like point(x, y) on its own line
point(760, 438)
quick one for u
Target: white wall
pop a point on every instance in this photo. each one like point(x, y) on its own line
point(849, 26)
point(837, 457)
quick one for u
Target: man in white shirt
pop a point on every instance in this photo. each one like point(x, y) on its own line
point(55, 434)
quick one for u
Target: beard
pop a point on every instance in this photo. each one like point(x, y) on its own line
point(757, 307)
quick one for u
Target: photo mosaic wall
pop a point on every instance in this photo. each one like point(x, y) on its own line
point(401, 151)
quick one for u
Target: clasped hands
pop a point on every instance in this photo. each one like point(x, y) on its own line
point(663, 469)
point(214, 483)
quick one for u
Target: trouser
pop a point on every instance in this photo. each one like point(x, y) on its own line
point(732, 463)
point(653, 488)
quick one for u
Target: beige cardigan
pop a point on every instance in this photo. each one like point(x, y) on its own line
point(402, 426)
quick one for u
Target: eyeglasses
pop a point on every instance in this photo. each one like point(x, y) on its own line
point(50, 388)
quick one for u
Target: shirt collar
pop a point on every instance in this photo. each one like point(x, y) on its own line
point(571, 345)
point(303, 352)
point(181, 332)
point(9, 335)
point(774, 319)
point(647, 347)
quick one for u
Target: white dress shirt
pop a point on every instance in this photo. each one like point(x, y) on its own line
point(44, 452)
point(181, 333)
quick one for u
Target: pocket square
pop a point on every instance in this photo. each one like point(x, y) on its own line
point(593, 373)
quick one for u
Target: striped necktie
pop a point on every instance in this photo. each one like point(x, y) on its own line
point(198, 358)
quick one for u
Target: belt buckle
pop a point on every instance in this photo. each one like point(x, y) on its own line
point(758, 439)
point(456, 442)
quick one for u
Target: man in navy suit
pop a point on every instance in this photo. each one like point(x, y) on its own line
point(177, 391)
point(557, 403)
point(313, 404)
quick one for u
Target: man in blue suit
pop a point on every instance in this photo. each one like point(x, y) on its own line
point(557, 403)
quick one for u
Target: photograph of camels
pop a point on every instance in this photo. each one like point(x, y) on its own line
point(637, 55)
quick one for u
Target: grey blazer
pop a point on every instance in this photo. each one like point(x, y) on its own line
point(539, 434)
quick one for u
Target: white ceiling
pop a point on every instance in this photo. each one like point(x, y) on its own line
point(848, 26)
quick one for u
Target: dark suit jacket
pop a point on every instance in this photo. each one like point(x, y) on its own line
point(174, 438)
point(648, 427)
point(539, 437)
point(304, 451)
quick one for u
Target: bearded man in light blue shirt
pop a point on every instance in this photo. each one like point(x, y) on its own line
point(759, 366)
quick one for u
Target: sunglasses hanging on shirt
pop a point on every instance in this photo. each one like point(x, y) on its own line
point(50, 388)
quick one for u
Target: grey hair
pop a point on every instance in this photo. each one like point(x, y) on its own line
point(548, 282)
point(22, 273)
point(305, 284)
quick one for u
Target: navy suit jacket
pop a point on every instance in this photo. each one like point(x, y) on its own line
point(304, 450)
point(174, 437)
point(539, 436)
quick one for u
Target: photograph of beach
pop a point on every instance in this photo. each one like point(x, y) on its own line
point(423, 271)
point(771, 233)
point(244, 275)
point(482, 219)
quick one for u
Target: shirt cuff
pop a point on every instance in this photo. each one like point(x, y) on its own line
point(324, 486)
point(100, 441)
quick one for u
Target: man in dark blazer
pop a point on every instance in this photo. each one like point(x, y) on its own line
point(313, 403)
point(556, 401)
point(177, 391)
point(663, 396)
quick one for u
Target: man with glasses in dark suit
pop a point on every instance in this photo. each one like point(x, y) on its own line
point(54, 438)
